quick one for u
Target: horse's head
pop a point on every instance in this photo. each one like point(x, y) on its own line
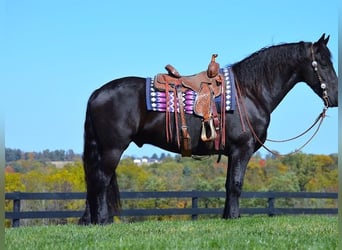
point(320, 74)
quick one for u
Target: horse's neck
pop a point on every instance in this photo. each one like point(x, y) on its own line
point(281, 86)
point(269, 88)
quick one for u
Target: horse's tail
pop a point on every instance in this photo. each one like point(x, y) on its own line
point(91, 154)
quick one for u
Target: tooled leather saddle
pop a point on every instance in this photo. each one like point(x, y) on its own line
point(208, 85)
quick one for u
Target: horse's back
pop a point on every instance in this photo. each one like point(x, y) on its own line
point(119, 89)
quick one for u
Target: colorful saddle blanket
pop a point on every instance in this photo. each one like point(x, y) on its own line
point(156, 100)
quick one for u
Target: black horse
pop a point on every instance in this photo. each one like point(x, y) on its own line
point(117, 115)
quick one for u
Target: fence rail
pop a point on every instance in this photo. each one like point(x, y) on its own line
point(194, 210)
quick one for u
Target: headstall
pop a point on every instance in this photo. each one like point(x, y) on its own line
point(314, 64)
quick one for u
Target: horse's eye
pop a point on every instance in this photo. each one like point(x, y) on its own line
point(324, 63)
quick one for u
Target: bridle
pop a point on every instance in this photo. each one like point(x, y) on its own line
point(314, 64)
point(318, 120)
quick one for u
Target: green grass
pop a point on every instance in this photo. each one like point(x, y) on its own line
point(256, 232)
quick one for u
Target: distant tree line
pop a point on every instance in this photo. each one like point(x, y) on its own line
point(294, 173)
point(12, 155)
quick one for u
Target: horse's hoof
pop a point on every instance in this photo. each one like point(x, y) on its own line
point(83, 221)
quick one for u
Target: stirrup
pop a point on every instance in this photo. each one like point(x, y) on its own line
point(212, 131)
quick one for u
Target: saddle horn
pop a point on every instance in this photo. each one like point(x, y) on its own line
point(213, 67)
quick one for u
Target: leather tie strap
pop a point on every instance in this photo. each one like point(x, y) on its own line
point(186, 145)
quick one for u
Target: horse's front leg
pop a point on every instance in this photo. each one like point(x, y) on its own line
point(237, 164)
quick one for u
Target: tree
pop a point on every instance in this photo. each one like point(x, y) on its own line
point(326, 175)
point(12, 154)
point(303, 166)
point(154, 156)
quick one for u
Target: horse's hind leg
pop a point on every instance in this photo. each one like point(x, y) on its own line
point(103, 198)
point(85, 219)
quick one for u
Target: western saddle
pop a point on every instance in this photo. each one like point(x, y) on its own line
point(208, 85)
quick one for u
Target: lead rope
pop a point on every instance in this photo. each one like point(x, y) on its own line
point(303, 133)
point(319, 119)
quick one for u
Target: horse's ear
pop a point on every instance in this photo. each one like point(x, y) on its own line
point(327, 40)
point(323, 40)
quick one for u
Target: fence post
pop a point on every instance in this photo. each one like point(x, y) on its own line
point(271, 201)
point(16, 210)
point(194, 205)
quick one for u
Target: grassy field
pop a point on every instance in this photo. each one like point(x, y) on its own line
point(256, 232)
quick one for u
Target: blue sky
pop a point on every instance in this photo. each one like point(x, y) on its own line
point(55, 53)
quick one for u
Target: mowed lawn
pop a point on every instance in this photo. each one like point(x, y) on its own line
point(250, 232)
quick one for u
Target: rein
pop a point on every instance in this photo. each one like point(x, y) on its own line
point(318, 120)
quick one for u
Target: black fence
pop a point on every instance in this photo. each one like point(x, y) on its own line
point(193, 210)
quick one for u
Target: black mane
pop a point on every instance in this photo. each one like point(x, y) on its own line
point(261, 66)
